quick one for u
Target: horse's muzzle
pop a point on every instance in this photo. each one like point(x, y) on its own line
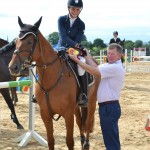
point(16, 69)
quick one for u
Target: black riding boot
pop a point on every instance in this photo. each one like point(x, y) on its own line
point(83, 101)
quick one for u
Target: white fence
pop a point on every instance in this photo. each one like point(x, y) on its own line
point(130, 64)
point(136, 64)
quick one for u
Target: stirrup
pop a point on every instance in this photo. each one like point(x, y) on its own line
point(83, 102)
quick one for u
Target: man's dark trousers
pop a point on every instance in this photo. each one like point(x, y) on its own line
point(109, 116)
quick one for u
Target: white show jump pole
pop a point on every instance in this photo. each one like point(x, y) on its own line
point(101, 57)
point(15, 84)
point(24, 139)
point(126, 57)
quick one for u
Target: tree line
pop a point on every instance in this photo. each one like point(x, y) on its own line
point(98, 44)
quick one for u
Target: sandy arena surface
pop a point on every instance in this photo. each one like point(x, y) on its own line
point(135, 104)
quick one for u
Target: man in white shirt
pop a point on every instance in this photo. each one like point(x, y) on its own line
point(112, 76)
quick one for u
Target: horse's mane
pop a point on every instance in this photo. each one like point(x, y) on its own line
point(3, 42)
point(7, 50)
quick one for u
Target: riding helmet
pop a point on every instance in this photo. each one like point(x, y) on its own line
point(115, 32)
point(75, 3)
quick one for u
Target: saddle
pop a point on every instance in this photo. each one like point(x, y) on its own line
point(73, 66)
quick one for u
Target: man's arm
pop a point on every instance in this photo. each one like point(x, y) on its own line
point(90, 67)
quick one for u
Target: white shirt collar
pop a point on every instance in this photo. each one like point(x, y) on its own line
point(72, 20)
point(115, 39)
point(118, 62)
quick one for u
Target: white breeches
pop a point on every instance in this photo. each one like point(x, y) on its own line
point(81, 71)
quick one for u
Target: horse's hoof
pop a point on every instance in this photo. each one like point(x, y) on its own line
point(20, 127)
point(86, 145)
point(82, 139)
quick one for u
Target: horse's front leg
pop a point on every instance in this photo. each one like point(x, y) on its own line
point(47, 119)
point(14, 95)
point(69, 120)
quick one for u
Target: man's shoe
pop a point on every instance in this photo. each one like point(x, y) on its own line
point(83, 102)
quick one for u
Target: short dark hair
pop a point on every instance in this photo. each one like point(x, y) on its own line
point(117, 46)
point(115, 32)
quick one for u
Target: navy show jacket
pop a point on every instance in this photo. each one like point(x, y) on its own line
point(113, 40)
point(70, 36)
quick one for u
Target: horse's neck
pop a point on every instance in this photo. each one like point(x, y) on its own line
point(7, 55)
point(49, 74)
point(46, 50)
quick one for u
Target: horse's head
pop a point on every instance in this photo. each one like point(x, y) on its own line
point(122, 44)
point(26, 44)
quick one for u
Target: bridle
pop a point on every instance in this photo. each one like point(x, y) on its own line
point(28, 63)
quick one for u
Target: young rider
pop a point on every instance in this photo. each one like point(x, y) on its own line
point(71, 31)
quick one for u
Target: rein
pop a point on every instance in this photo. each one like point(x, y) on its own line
point(46, 92)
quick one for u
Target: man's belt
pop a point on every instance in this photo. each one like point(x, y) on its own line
point(108, 102)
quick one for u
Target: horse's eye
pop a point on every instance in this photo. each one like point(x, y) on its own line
point(29, 42)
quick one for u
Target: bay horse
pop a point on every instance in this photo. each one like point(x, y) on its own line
point(56, 90)
point(5, 76)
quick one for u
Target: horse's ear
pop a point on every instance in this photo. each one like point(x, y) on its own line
point(21, 24)
point(37, 24)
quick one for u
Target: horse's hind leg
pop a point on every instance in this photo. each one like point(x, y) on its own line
point(6, 95)
point(69, 120)
point(80, 123)
point(89, 122)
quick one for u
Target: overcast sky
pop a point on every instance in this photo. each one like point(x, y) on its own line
point(131, 18)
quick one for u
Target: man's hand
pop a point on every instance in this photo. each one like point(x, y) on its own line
point(74, 58)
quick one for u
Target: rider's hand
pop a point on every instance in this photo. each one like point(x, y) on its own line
point(83, 51)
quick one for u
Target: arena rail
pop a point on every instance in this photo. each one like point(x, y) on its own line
point(140, 64)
